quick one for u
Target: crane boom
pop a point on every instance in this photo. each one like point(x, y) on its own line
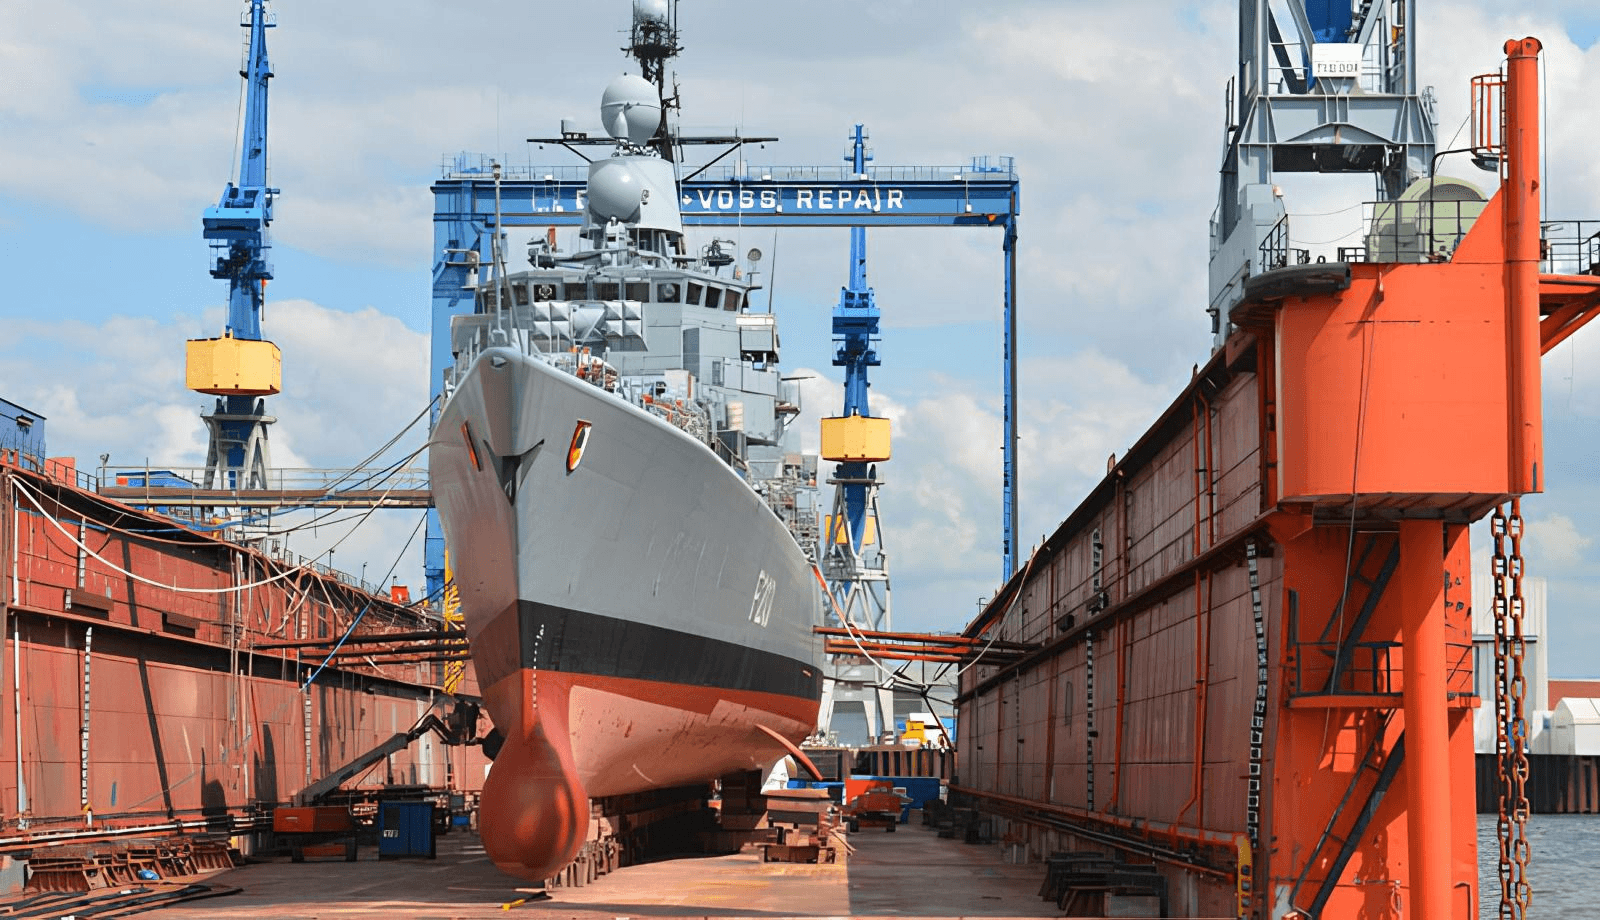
point(240, 367)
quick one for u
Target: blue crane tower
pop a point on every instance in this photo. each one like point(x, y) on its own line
point(240, 367)
point(854, 563)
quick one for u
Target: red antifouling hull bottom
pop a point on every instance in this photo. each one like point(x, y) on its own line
point(534, 812)
point(573, 736)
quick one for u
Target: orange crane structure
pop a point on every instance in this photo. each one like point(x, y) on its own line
point(1246, 657)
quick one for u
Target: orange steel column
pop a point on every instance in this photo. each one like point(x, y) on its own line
point(1521, 194)
point(1429, 836)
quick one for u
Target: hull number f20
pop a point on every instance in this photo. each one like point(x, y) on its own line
point(766, 594)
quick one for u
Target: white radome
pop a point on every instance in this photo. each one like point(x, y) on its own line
point(650, 10)
point(630, 109)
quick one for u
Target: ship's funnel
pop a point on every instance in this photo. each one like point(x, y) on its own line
point(630, 109)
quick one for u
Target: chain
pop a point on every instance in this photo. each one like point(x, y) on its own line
point(1520, 891)
point(1511, 724)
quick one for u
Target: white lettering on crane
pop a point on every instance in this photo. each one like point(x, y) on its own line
point(805, 199)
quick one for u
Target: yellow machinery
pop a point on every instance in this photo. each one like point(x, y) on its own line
point(855, 439)
point(228, 366)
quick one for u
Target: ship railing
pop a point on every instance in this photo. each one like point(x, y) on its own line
point(1389, 231)
point(297, 479)
point(1431, 231)
point(1570, 247)
point(1369, 668)
point(979, 169)
point(469, 166)
point(1417, 231)
point(1275, 249)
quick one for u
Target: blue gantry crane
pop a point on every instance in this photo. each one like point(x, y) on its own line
point(854, 565)
point(477, 200)
point(1329, 89)
point(239, 367)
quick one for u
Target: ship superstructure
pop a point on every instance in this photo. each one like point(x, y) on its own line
point(622, 513)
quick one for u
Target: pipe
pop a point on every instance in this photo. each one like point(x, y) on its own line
point(1202, 671)
point(1521, 193)
point(237, 824)
point(1124, 637)
point(1211, 473)
point(1145, 828)
point(1423, 697)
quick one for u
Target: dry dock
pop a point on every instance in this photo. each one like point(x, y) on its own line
point(906, 874)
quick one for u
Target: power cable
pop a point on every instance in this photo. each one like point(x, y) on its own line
point(357, 620)
point(28, 494)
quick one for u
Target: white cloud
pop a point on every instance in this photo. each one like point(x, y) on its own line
point(1555, 541)
point(125, 119)
point(351, 381)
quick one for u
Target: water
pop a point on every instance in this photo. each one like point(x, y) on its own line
point(1564, 863)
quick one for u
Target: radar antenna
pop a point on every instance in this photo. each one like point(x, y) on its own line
point(653, 42)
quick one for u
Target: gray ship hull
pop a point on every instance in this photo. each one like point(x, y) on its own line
point(639, 618)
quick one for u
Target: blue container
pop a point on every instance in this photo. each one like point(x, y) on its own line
point(405, 829)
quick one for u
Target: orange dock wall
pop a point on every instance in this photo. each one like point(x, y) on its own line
point(182, 722)
point(1339, 445)
point(1175, 660)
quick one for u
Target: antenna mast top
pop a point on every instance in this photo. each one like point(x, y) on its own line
point(653, 42)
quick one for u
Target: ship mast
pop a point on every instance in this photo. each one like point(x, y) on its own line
point(653, 42)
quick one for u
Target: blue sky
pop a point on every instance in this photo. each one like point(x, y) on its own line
point(117, 129)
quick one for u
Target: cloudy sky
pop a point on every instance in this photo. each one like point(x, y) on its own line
point(118, 124)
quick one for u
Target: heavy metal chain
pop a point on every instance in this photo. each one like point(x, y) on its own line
point(1511, 723)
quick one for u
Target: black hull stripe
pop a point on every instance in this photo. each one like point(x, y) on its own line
point(560, 639)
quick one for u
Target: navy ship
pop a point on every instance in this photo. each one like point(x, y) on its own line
point(621, 511)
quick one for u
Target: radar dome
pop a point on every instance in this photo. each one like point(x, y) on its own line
point(630, 109)
point(650, 10)
point(615, 192)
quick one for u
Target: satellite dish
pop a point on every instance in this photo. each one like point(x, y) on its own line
point(630, 109)
point(753, 255)
point(650, 10)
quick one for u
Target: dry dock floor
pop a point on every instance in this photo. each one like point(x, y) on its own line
point(912, 873)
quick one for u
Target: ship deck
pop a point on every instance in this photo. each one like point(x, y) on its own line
point(906, 874)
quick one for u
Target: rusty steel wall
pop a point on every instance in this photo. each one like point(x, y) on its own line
point(1168, 620)
point(185, 717)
